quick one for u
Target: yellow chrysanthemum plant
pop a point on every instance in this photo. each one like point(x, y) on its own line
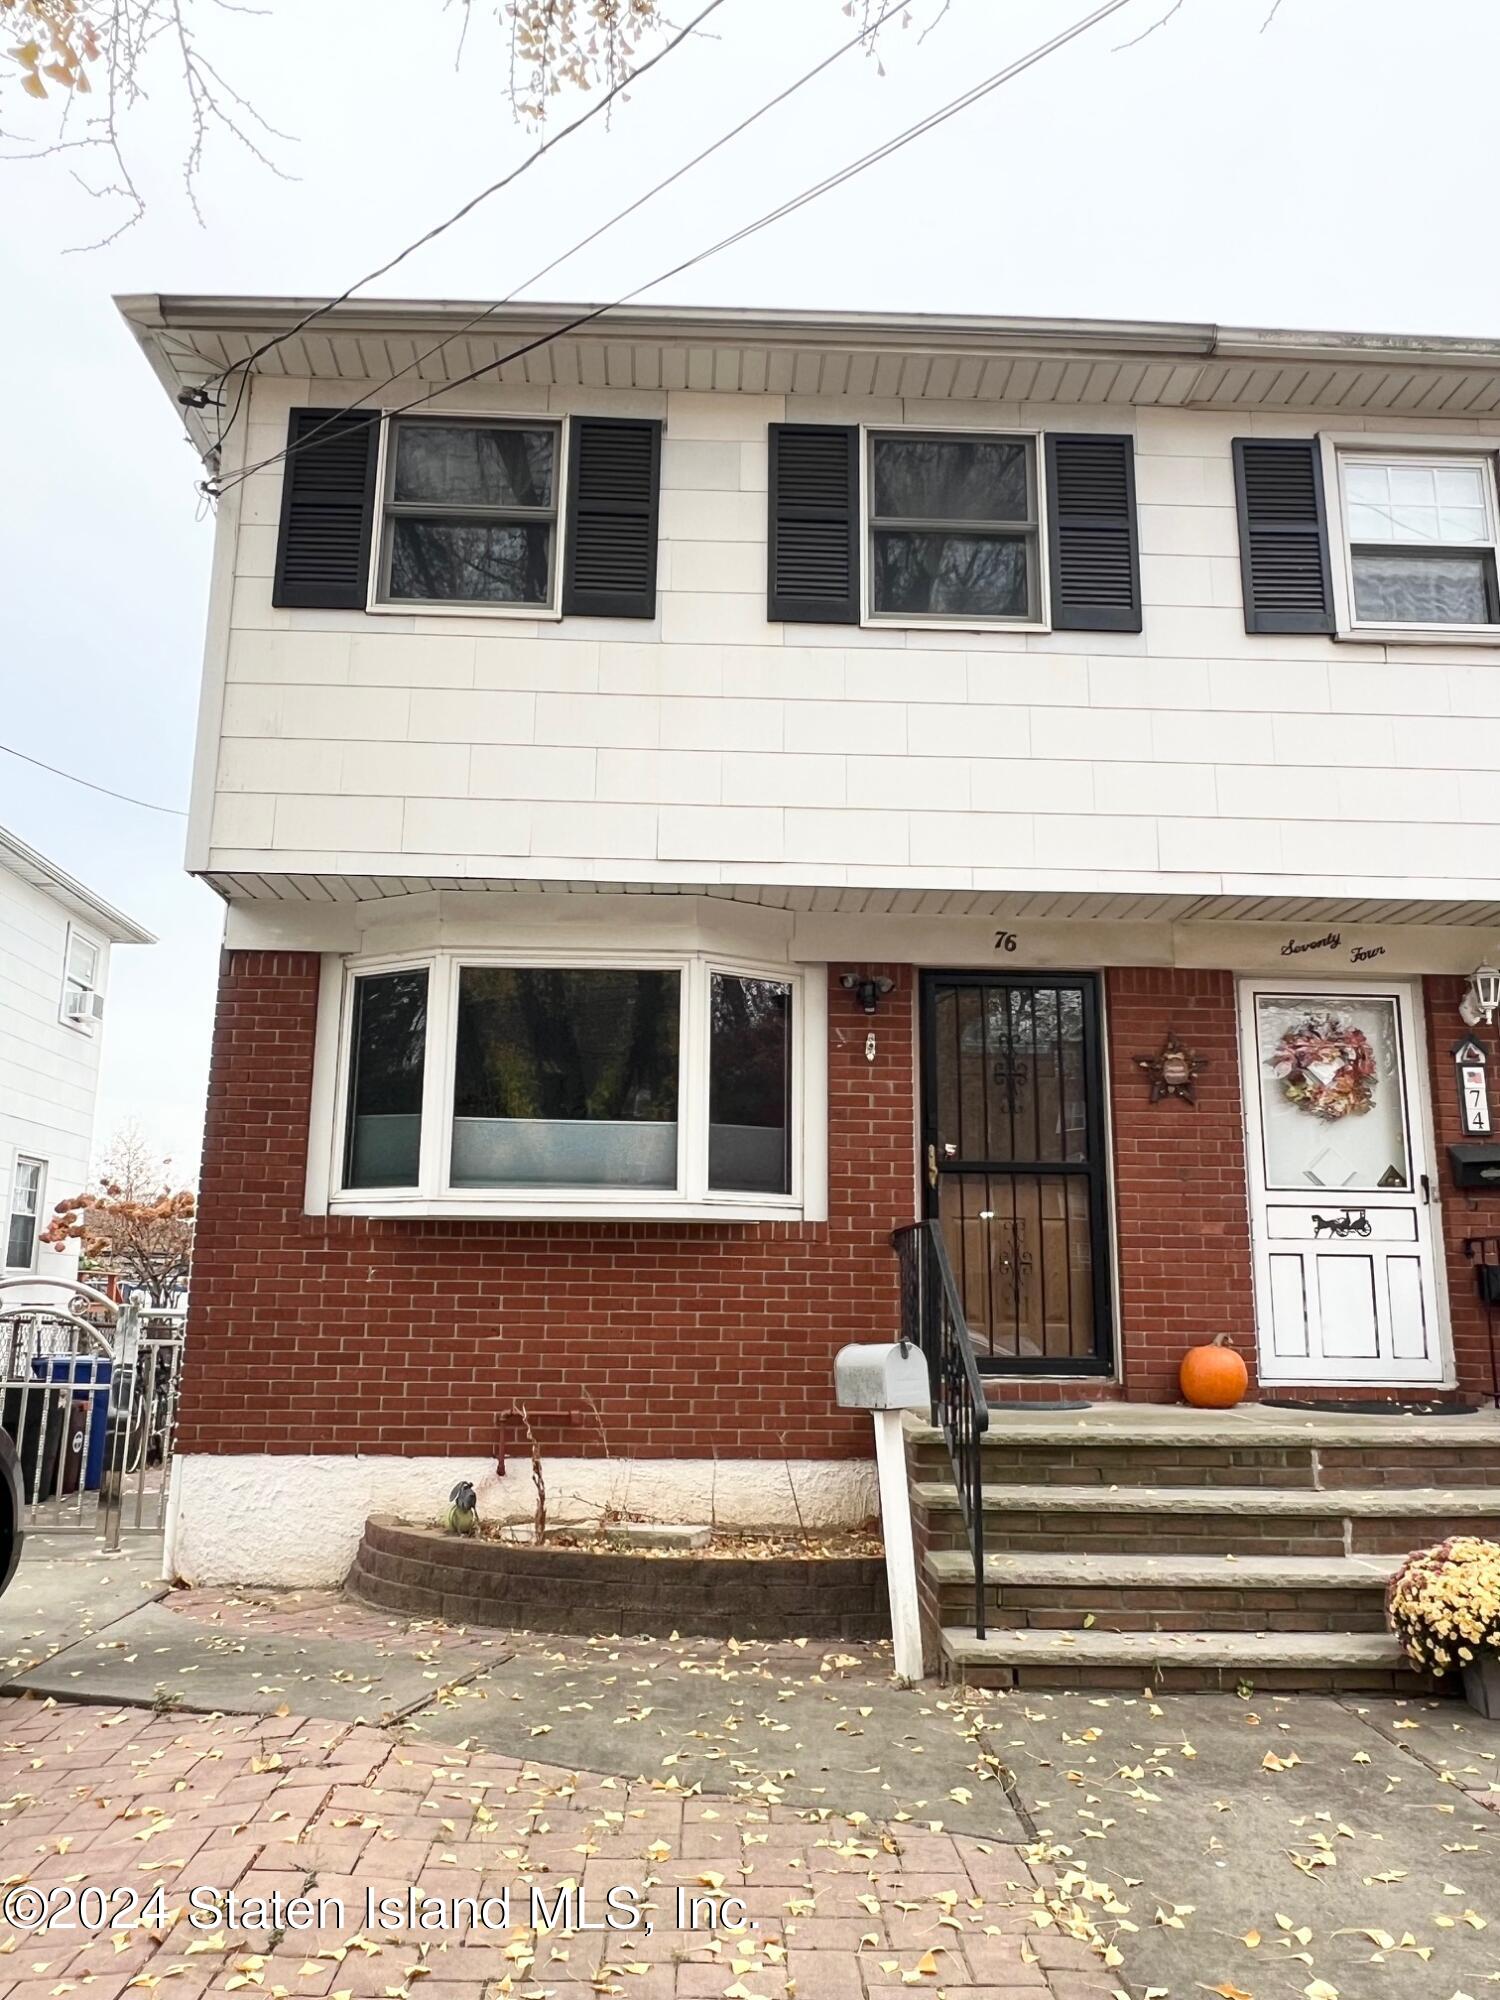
point(1444, 1605)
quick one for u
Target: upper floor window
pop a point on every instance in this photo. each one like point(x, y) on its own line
point(470, 513)
point(1420, 539)
point(473, 1081)
point(25, 1210)
point(953, 527)
point(82, 1001)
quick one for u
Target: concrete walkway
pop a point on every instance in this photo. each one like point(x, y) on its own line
point(69, 1587)
point(1004, 1845)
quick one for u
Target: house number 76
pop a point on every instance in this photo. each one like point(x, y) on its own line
point(1005, 940)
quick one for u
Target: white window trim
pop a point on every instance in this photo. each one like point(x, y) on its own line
point(84, 1025)
point(909, 621)
point(692, 1200)
point(34, 1160)
point(550, 613)
point(1337, 446)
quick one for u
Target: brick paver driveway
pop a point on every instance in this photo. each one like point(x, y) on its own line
point(326, 1815)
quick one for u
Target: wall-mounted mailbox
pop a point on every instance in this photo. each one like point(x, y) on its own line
point(885, 1375)
point(1476, 1167)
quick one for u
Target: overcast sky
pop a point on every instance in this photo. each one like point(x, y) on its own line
point(1325, 170)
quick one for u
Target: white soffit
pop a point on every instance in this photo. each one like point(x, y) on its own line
point(1135, 907)
point(968, 359)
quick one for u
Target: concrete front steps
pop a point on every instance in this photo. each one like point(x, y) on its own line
point(1134, 1547)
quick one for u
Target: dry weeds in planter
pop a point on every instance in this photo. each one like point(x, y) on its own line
point(1444, 1604)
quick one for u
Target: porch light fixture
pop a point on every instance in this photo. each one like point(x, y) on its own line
point(870, 992)
point(1482, 998)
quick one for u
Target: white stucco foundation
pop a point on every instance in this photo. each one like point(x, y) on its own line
point(263, 1518)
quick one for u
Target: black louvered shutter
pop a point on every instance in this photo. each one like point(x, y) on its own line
point(1093, 563)
point(327, 509)
point(1278, 490)
point(614, 489)
point(813, 533)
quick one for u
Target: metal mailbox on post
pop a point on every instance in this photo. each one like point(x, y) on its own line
point(887, 1377)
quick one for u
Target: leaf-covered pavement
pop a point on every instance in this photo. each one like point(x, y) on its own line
point(950, 1840)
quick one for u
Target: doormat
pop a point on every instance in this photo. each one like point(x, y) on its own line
point(1375, 1407)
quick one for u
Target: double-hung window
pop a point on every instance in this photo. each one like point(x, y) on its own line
point(82, 1002)
point(475, 1082)
point(25, 1213)
point(1420, 535)
point(953, 527)
point(470, 512)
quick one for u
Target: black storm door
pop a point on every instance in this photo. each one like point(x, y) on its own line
point(1014, 1164)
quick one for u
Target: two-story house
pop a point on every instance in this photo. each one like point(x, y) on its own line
point(694, 791)
point(55, 940)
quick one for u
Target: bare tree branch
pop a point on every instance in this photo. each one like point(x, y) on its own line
point(1146, 33)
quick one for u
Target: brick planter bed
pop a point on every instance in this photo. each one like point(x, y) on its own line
point(425, 1573)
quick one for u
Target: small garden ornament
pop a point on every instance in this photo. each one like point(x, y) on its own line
point(462, 1517)
point(1443, 1604)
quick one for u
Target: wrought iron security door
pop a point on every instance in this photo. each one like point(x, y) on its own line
point(1014, 1164)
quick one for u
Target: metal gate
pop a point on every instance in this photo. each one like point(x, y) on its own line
point(1015, 1153)
point(88, 1396)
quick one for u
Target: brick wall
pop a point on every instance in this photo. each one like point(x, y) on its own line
point(1463, 1212)
point(1181, 1204)
point(334, 1334)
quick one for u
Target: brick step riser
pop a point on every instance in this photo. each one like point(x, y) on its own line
point(1204, 1534)
point(1141, 1465)
point(1184, 1678)
point(1149, 1611)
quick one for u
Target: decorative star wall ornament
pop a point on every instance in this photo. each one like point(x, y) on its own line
point(1173, 1073)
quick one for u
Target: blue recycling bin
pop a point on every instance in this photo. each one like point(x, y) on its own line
point(83, 1372)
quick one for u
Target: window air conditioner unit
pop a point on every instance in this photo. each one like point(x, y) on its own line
point(85, 1007)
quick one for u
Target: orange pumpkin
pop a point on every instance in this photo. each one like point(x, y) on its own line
point(1213, 1377)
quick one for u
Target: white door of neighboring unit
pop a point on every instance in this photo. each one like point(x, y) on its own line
point(1340, 1198)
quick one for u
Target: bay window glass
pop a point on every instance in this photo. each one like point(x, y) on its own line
point(566, 1077)
point(749, 1085)
point(953, 527)
point(1421, 540)
point(387, 1058)
point(471, 512)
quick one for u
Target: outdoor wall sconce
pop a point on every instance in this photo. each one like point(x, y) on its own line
point(1482, 998)
point(870, 992)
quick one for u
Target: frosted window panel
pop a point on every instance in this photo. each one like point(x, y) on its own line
point(1309, 1144)
point(1413, 589)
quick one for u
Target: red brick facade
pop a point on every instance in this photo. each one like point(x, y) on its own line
point(334, 1334)
point(1182, 1215)
point(1463, 1213)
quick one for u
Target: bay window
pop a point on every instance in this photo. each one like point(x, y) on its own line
point(565, 1077)
point(475, 1083)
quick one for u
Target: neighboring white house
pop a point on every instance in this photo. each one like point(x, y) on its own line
point(55, 938)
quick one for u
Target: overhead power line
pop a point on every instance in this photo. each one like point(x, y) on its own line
point(884, 151)
point(458, 215)
point(146, 805)
point(771, 103)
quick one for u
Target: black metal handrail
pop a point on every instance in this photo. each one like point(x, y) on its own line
point(932, 1317)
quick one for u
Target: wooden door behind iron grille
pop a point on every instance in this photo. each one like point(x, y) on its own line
point(1014, 1160)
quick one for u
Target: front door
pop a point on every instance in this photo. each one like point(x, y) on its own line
point(1340, 1195)
point(1014, 1158)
